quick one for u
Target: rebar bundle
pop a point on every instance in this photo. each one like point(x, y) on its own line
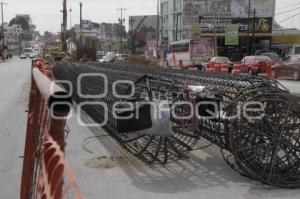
point(260, 140)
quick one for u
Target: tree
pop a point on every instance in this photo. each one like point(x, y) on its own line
point(47, 34)
point(20, 21)
point(71, 34)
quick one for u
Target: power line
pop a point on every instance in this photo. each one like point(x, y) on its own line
point(287, 11)
point(289, 18)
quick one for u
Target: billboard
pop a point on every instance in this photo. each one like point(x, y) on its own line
point(202, 49)
point(192, 9)
point(138, 22)
point(245, 25)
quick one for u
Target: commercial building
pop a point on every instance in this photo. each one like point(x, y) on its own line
point(286, 41)
point(13, 38)
point(104, 36)
point(187, 19)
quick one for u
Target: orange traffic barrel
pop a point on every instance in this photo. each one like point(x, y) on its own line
point(224, 68)
point(217, 67)
point(210, 68)
point(236, 69)
point(269, 71)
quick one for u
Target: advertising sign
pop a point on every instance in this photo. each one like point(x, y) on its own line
point(196, 31)
point(192, 9)
point(232, 35)
point(262, 24)
point(202, 49)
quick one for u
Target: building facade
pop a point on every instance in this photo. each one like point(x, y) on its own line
point(286, 41)
point(13, 38)
point(104, 36)
point(171, 20)
point(186, 19)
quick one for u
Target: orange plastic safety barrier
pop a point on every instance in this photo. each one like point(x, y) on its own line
point(44, 166)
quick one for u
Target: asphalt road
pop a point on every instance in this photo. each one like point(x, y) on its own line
point(104, 169)
point(14, 87)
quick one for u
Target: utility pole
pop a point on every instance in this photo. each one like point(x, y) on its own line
point(71, 46)
point(132, 35)
point(158, 26)
point(215, 30)
point(253, 32)
point(3, 38)
point(176, 28)
point(64, 47)
point(121, 21)
point(20, 46)
point(248, 32)
point(81, 37)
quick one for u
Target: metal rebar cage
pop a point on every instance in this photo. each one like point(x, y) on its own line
point(263, 144)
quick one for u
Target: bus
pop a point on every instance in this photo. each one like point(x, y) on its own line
point(190, 54)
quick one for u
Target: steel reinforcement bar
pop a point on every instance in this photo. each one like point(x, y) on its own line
point(263, 144)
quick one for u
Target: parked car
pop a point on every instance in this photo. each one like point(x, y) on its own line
point(100, 55)
point(122, 57)
point(289, 68)
point(256, 65)
point(28, 53)
point(109, 57)
point(22, 56)
point(219, 64)
point(272, 55)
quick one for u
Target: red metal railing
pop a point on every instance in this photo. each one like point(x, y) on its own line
point(44, 166)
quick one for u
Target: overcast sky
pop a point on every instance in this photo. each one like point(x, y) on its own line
point(47, 16)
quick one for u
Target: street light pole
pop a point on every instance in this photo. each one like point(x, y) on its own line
point(121, 20)
point(70, 10)
point(3, 39)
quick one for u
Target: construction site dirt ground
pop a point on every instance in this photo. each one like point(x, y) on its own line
point(103, 169)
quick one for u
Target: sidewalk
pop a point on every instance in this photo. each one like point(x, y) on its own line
point(105, 170)
point(293, 86)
